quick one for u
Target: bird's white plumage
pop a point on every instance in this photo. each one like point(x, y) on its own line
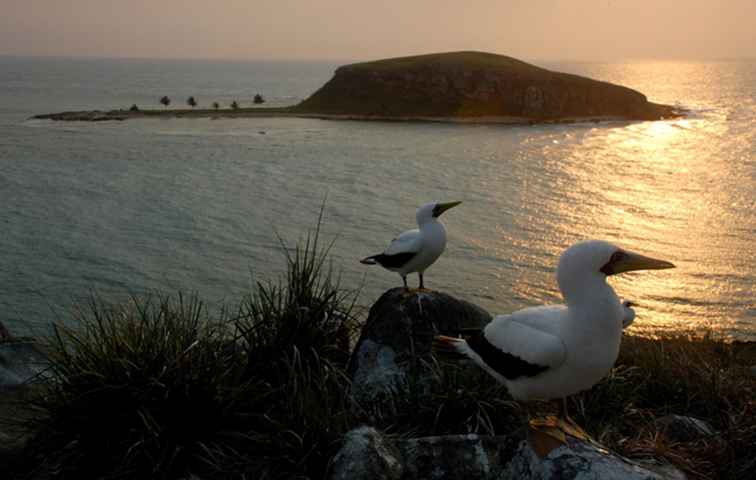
point(529, 334)
point(410, 241)
point(571, 346)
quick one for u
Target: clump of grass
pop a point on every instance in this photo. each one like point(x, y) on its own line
point(295, 336)
point(308, 311)
point(136, 391)
point(159, 388)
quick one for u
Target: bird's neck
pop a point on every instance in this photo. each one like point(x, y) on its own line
point(434, 232)
point(594, 301)
point(432, 224)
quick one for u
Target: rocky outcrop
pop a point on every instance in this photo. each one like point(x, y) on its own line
point(367, 454)
point(475, 84)
point(579, 460)
point(398, 333)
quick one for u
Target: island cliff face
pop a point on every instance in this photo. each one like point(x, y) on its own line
point(474, 84)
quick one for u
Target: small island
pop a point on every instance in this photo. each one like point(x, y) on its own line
point(469, 87)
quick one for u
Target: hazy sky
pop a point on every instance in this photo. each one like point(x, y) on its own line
point(358, 29)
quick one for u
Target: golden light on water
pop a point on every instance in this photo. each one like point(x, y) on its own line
point(680, 190)
point(658, 188)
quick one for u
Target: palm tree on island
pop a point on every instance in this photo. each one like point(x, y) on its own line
point(165, 101)
point(258, 99)
point(216, 105)
point(191, 102)
point(234, 105)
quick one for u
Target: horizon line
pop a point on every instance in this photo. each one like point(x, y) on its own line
point(359, 60)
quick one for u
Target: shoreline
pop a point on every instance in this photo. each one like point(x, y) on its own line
point(289, 112)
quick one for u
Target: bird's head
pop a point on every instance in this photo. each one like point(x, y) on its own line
point(599, 259)
point(432, 210)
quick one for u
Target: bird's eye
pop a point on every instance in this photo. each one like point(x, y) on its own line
point(617, 256)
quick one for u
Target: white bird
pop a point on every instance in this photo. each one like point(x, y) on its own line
point(550, 352)
point(416, 250)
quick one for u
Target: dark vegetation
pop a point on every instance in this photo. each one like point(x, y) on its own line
point(164, 388)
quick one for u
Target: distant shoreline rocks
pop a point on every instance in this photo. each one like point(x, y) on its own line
point(456, 87)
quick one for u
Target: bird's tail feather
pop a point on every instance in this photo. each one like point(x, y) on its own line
point(368, 260)
point(449, 346)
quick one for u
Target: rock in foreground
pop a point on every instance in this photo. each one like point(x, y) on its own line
point(399, 331)
point(475, 85)
point(367, 454)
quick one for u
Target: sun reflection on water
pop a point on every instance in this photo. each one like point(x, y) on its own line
point(660, 188)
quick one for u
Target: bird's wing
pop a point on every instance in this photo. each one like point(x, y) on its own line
point(408, 242)
point(516, 345)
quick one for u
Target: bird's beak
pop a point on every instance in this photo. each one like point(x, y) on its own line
point(634, 261)
point(442, 207)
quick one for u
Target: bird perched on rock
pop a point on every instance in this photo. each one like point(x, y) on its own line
point(416, 250)
point(550, 352)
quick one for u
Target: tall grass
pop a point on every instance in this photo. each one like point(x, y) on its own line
point(136, 390)
point(160, 388)
point(295, 336)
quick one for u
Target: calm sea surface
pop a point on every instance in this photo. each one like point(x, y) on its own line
point(194, 205)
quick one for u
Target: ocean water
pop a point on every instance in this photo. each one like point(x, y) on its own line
point(196, 204)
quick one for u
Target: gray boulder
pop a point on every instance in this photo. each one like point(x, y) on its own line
point(580, 460)
point(679, 428)
point(398, 333)
point(20, 363)
point(367, 455)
